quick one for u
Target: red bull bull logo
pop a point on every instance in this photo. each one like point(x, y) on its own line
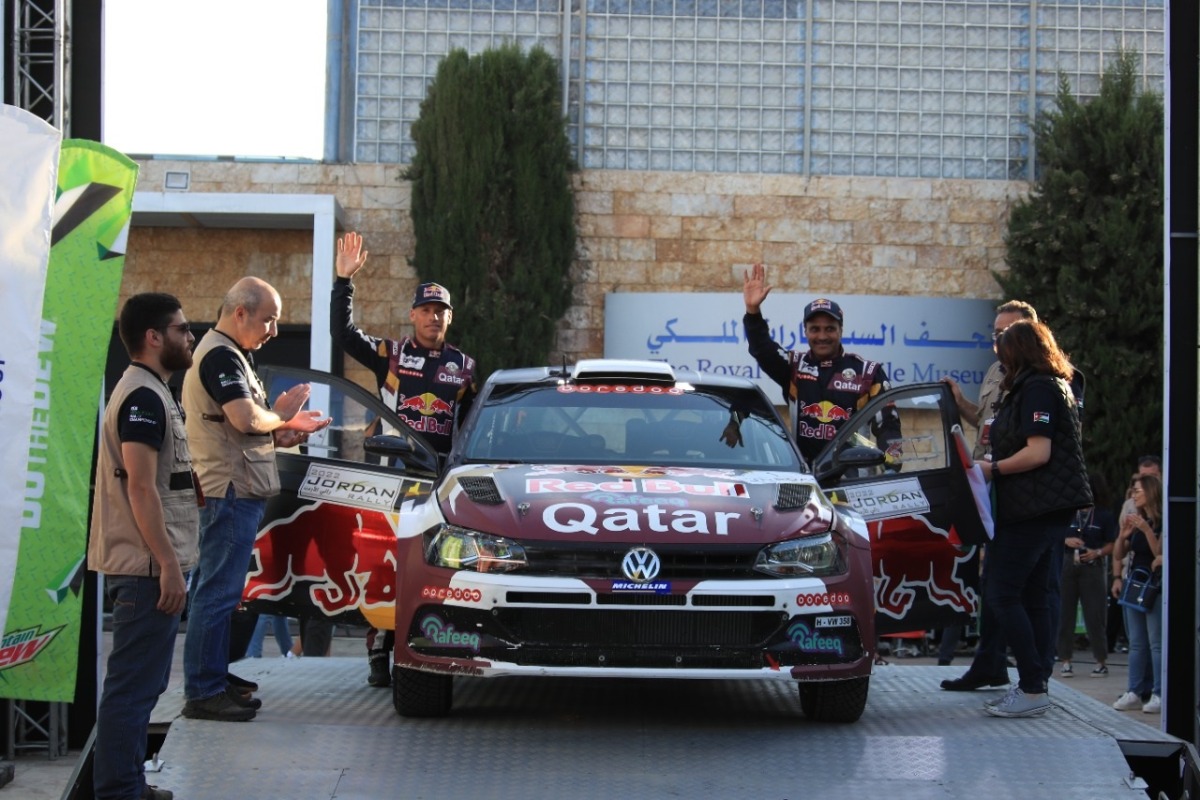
point(312, 549)
point(427, 404)
point(824, 411)
point(910, 554)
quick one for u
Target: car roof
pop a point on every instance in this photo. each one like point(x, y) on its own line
point(610, 369)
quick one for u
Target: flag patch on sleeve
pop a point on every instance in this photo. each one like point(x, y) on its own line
point(1041, 416)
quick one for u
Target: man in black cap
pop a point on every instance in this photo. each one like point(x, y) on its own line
point(824, 386)
point(427, 382)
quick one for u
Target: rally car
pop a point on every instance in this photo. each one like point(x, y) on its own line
point(623, 519)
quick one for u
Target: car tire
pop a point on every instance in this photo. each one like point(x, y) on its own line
point(834, 701)
point(421, 694)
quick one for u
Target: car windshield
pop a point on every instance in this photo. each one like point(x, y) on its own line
point(652, 425)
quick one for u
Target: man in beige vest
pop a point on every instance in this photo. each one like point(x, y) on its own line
point(143, 538)
point(233, 432)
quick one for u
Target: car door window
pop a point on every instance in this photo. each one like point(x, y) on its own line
point(356, 415)
point(922, 444)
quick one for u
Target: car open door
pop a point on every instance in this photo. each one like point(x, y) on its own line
point(924, 520)
point(327, 543)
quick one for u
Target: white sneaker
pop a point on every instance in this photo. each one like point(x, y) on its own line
point(1128, 702)
point(1153, 705)
point(1019, 704)
point(995, 701)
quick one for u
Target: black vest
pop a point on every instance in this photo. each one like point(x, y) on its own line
point(1061, 484)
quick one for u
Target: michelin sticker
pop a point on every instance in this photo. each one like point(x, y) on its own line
point(350, 487)
point(891, 499)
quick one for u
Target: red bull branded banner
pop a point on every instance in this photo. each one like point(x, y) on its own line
point(93, 205)
point(28, 170)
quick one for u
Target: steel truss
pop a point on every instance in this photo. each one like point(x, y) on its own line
point(41, 68)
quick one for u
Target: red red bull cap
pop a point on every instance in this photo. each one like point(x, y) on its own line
point(823, 306)
point(432, 293)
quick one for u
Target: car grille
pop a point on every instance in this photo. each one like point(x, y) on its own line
point(679, 562)
point(617, 628)
point(481, 489)
point(793, 495)
point(662, 638)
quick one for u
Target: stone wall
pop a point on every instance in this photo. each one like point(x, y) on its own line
point(638, 232)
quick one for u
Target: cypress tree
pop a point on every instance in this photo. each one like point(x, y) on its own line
point(492, 206)
point(1085, 248)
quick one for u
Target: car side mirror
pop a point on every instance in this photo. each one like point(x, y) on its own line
point(857, 457)
point(399, 450)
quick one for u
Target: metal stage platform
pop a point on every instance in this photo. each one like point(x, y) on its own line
point(323, 733)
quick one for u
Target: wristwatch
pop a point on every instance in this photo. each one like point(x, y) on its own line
point(995, 470)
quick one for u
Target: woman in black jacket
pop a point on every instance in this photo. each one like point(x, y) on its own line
point(1040, 481)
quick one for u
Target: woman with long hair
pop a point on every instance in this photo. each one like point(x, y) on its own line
point(1040, 480)
point(1141, 535)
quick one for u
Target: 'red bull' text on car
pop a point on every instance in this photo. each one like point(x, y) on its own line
point(624, 519)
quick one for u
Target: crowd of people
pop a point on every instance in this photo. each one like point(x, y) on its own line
point(182, 486)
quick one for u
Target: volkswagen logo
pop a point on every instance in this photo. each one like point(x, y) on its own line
point(641, 565)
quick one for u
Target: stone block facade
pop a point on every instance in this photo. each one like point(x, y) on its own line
point(638, 232)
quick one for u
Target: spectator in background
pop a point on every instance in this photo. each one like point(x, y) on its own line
point(1117, 640)
point(1085, 580)
point(279, 629)
point(1141, 535)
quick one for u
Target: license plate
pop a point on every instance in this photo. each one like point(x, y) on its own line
point(834, 622)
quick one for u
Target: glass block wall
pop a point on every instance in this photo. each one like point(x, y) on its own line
point(906, 88)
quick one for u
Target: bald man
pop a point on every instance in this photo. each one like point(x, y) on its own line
point(233, 432)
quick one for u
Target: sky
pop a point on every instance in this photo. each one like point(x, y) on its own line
point(215, 78)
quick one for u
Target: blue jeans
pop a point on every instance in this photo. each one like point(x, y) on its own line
point(139, 669)
point(1144, 631)
point(1019, 567)
point(279, 627)
point(227, 529)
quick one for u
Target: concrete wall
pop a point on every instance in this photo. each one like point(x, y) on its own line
point(638, 231)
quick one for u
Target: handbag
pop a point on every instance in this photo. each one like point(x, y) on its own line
point(1141, 590)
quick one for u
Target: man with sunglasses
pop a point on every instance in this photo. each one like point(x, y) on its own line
point(980, 416)
point(144, 532)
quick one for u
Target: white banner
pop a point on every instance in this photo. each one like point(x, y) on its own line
point(917, 339)
point(29, 149)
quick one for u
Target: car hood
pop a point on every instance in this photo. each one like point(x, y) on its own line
point(633, 503)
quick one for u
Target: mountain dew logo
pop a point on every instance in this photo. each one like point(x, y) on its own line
point(21, 647)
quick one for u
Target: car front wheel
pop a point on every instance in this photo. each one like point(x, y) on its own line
point(834, 701)
point(421, 694)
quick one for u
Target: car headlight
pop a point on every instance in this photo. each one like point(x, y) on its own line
point(805, 556)
point(460, 548)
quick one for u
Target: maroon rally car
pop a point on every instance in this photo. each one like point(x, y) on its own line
point(623, 519)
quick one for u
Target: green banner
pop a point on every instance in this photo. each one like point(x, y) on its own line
point(38, 655)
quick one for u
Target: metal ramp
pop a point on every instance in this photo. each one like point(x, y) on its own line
point(323, 733)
